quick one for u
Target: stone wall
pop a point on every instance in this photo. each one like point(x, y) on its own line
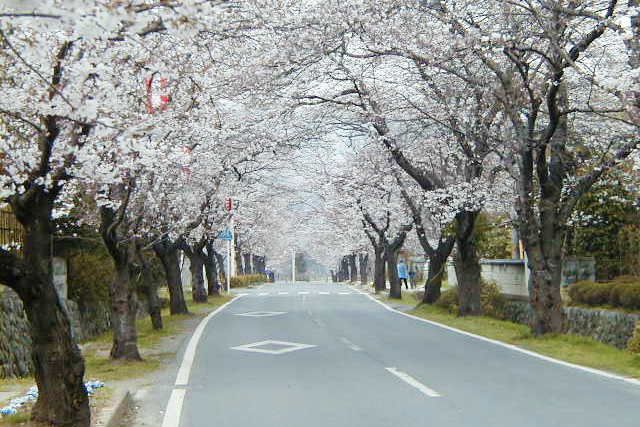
point(607, 326)
point(15, 338)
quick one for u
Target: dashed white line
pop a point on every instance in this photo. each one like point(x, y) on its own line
point(304, 293)
point(344, 293)
point(413, 382)
point(263, 294)
point(349, 344)
point(324, 293)
point(174, 408)
point(283, 293)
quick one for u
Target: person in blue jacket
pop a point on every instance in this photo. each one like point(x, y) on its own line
point(402, 273)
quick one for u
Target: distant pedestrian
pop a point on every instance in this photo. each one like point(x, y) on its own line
point(402, 273)
point(412, 276)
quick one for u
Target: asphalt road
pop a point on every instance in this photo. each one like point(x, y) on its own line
point(353, 363)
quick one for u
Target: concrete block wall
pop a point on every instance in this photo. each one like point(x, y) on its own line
point(511, 277)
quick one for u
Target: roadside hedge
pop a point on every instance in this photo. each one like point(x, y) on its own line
point(633, 345)
point(623, 292)
point(247, 280)
point(493, 302)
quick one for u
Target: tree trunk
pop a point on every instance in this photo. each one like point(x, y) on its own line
point(220, 264)
point(248, 268)
point(197, 259)
point(433, 285)
point(379, 271)
point(213, 286)
point(353, 269)
point(545, 298)
point(395, 290)
point(150, 289)
point(238, 256)
point(57, 361)
point(363, 260)
point(467, 265)
point(257, 267)
point(334, 278)
point(344, 269)
point(124, 301)
point(168, 255)
point(124, 306)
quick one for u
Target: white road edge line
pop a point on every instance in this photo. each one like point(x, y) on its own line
point(182, 378)
point(413, 382)
point(513, 347)
point(174, 408)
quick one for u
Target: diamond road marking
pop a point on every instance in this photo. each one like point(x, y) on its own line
point(260, 313)
point(287, 347)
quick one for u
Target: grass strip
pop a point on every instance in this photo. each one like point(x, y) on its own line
point(575, 349)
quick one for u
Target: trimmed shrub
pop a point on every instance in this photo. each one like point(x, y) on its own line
point(633, 345)
point(493, 302)
point(247, 280)
point(88, 277)
point(449, 300)
point(623, 292)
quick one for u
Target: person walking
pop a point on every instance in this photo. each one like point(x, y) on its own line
point(402, 273)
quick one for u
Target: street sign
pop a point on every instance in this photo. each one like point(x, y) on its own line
point(228, 205)
point(225, 235)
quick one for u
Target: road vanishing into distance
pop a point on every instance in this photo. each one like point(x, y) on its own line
point(323, 354)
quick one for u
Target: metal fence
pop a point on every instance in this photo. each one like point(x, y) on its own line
point(10, 230)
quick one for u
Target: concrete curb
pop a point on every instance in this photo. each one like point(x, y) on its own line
point(112, 415)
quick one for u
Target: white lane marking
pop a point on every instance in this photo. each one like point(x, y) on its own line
point(513, 347)
point(286, 347)
point(260, 313)
point(320, 322)
point(413, 382)
point(344, 293)
point(304, 293)
point(283, 293)
point(190, 352)
point(174, 408)
point(324, 293)
point(263, 294)
point(349, 344)
point(243, 295)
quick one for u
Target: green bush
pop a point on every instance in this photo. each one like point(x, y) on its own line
point(633, 345)
point(247, 280)
point(88, 276)
point(623, 292)
point(449, 300)
point(493, 302)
